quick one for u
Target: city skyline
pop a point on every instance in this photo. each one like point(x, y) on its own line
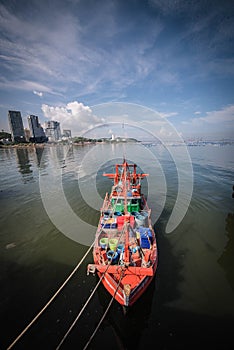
point(35, 132)
point(64, 60)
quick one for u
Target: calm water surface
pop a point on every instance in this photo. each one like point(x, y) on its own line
point(50, 200)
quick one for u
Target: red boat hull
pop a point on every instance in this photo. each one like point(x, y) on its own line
point(111, 284)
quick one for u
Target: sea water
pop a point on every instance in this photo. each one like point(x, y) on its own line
point(50, 199)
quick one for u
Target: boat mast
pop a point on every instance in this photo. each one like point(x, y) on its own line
point(125, 188)
point(126, 221)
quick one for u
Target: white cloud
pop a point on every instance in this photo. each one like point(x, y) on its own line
point(168, 115)
point(163, 132)
point(226, 114)
point(25, 85)
point(48, 54)
point(75, 115)
point(38, 93)
point(217, 123)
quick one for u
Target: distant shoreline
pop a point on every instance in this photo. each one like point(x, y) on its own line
point(42, 145)
point(31, 145)
point(147, 144)
point(52, 144)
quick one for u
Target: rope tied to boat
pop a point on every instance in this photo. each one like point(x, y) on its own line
point(104, 315)
point(83, 308)
point(50, 301)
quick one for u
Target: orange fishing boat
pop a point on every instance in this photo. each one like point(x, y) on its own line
point(125, 250)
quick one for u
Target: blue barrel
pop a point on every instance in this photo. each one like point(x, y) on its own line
point(120, 248)
point(112, 255)
point(140, 220)
point(135, 249)
point(117, 213)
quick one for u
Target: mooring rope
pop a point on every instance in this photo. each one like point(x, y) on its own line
point(59, 290)
point(104, 315)
point(50, 301)
point(83, 308)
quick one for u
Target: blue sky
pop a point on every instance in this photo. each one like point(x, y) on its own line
point(61, 59)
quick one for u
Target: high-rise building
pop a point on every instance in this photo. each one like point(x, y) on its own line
point(16, 126)
point(36, 130)
point(27, 134)
point(67, 133)
point(52, 130)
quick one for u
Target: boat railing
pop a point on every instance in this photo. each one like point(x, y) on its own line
point(145, 205)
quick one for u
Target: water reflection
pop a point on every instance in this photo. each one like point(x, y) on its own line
point(24, 165)
point(39, 153)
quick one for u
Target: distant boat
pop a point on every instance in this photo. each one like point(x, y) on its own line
point(125, 249)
